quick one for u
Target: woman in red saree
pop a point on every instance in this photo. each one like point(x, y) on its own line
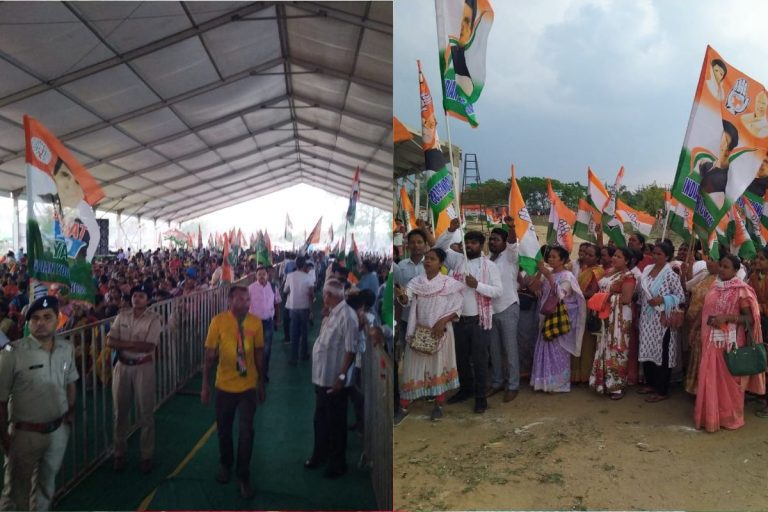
point(730, 306)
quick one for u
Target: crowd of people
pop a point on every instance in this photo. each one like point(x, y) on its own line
point(238, 342)
point(641, 315)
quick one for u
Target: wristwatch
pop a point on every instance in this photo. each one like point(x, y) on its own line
point(342, 376)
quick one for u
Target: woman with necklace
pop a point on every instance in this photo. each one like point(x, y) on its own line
point(610, 368)
point(435, 301)
point(660, 293)
point(730, 310)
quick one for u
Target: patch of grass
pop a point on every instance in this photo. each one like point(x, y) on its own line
point(551, 478)
point(607, 467)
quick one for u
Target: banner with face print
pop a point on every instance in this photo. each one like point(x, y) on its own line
point(724, 152)
point(462, 33)
point(62, 232)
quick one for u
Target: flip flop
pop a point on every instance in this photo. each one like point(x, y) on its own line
point(656, 398)
point(617, 396)
point(761, 413)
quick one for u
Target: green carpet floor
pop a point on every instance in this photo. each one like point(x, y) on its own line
point(283, 440)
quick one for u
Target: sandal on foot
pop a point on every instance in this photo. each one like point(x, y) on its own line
point(617, 396)
point(761, 413)
point(656, 398)
point(646, 390)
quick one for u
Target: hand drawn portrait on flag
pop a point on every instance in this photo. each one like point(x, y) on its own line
point(756, 122)
point(718, 70)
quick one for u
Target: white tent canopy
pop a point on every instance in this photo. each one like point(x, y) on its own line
point(182, 108)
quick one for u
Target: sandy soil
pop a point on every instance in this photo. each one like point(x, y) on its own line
point(578, 451)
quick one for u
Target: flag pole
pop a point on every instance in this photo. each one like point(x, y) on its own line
point(666, 219)
point(457, 192)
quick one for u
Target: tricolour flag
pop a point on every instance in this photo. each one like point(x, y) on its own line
point(725, 143)
point(613, 224)
point(353, 197)
point(680, 217)
point(440, 183)
point(561, 221)
point(585, 226)
point(740, 241)
point(262, 251)
point(528, 241)
point(641, 222)
point(462, 39)
point(406, 210)
point(753, 213)
point(62, 232)
point(313, 237)
point(353, 257)
point(228, 262)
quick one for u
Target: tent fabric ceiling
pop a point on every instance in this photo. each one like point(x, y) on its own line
point(182, 108)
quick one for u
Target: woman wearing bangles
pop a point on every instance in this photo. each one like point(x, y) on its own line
point(609, 372)
point(436, 300)
point(552, 358)
point(660, 292)
point(730, 308)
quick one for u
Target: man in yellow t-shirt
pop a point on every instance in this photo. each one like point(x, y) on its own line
point(236, 339)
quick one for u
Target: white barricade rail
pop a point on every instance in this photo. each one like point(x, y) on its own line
point(178, 358)
point(378, 393)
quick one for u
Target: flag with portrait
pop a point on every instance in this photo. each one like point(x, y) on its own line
point(724, 151)
point(463, 27)
point(62, 232)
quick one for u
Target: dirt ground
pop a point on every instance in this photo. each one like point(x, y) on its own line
point(578, 451)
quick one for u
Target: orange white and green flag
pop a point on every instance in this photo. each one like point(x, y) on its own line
point(561, 221)
point(725, 144)
point(641, 221)
point(529, 246)
point(462, 39)
point(407, 209)
point(440, 183)
point(680, 216)
point(227, 263)
point(586, 225)
point(740, 241)
point(757, 230)
point(613, 221)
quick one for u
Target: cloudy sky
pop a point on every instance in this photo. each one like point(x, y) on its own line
point(577, 83)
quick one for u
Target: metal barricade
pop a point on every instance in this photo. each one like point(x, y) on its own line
point(178, 358)
point(378, 393)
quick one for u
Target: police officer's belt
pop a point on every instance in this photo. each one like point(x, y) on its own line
point(135, 362)
point(43, 428)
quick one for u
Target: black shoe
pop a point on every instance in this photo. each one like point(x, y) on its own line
point(458, 397)
point(246, 492)
point(335, 472)
point(312, 463)
point(223, 476)
point(399, 416)
point(481, 404)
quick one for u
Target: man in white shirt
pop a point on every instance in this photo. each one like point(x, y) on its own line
point(473, 330)
point(405, 270)
point(264, 299)
point(300, 289)
point(505, 361)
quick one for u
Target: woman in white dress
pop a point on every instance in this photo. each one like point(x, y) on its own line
point(659, 292)
point(435, 300)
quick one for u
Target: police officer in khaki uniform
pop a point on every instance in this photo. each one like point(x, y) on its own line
point(37, 375)
point(135, 333)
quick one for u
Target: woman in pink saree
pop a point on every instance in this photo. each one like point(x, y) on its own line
point(730, 306)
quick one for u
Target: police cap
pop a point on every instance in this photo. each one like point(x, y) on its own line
point(47, 302)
